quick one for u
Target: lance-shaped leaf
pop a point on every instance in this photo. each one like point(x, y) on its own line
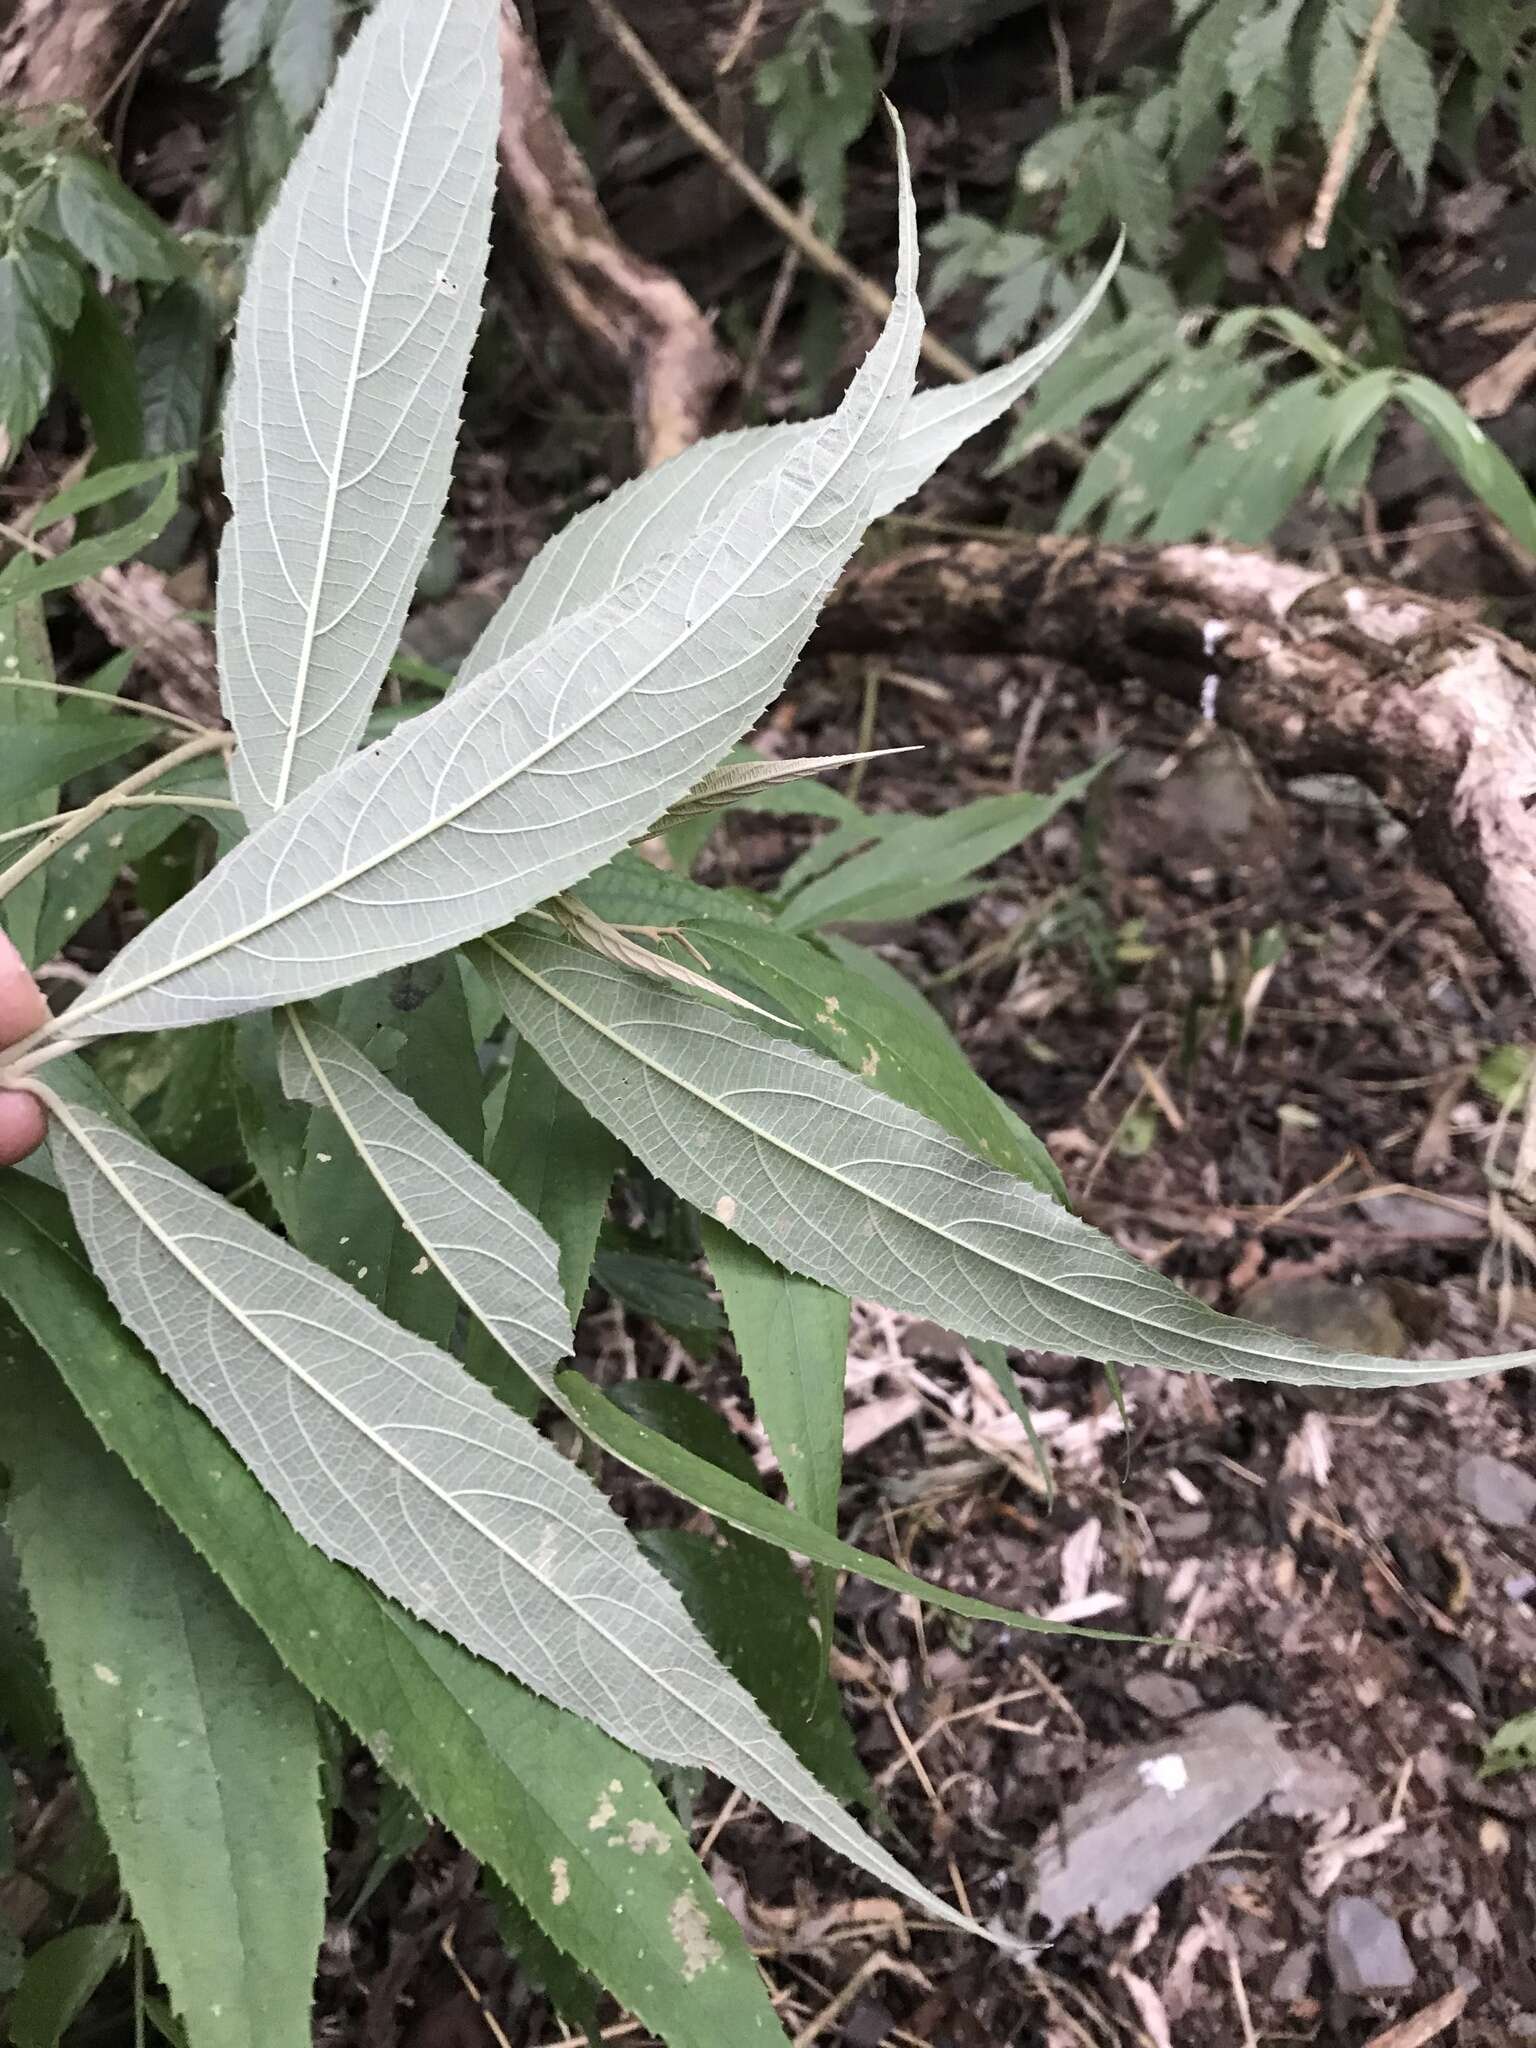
point(938, 422)
point(516, 1779)
point(500, 1263)
point(353, 337)
point(388, 1456)
point(470, 1229)
point(521, 784)
point(866, 1195)
point(792, 1338)
point(739, 780)
point(666, 508)
point(200, 1751)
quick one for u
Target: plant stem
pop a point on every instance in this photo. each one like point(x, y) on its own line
point(186, 725)
point(794, 227)
point(76, 822)
point(1343, 148)
point(126, 803)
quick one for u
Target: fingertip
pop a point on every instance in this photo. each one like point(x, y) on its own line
point(23, 1125)
point(22, 1005)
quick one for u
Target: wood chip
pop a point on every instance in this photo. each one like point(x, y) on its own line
point(1424, 2026)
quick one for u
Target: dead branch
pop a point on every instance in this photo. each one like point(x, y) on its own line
point(635, 311)
point(53, 50)
point(133, 609)
point(1431, 710)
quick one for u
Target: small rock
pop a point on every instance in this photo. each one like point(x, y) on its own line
point(1500, 1493)
point(1153, 1814)
point(444, 633)
point(1366, 1950)
point(1192, 1527)
point(932, 1340)
point(868, 2025)
point(1294, 1975)
point(1318, 1784)
point(1330, 1313)
point(1170, 1699)
point(1417, 1216)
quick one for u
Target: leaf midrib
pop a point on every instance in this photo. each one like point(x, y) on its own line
point(365, 1152)
point(344, 426)
point(827, 1172)
point(111, 998)
point(836, 1821)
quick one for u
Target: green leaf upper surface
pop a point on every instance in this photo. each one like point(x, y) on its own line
point(26, 355)
point(61, 1979)
point(360, 309)
point(516, 1779)
point(746, 1595)
point(869, 1197)
point(199, 1748)
point(791, 1335)
point(414, 1024)
point(388, 1456)
point(114, 232)
point(524, 781)
point(40, 755)
point(557, 1163)
point(175, 346)
point(920, 863)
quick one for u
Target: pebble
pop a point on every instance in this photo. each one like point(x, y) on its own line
point(1170, 1699)
point(1366, 1950)
point(1495, 1490)
point(1294, 1975)
point(1333, 1313)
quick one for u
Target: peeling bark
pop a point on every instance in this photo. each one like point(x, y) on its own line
point(133, 608)
point(636, 312)
point(53, 50)
point(1411, 695)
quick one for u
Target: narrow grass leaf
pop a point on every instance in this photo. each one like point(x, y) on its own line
point(920, 863)
point(756, 1513)
point(24, 641)
point(25, 579)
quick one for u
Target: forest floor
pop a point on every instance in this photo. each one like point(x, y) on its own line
point(1313, 1141)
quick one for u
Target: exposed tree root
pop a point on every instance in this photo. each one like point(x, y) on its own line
point(636, 312)
point(1431, 710)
